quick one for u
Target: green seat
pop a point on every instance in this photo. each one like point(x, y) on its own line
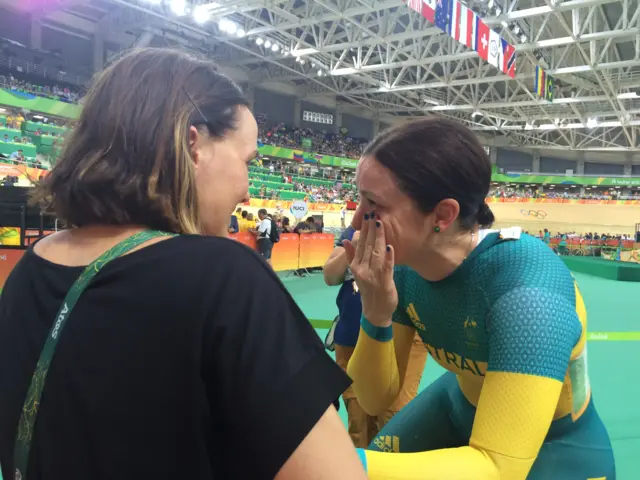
point(286, 195)
point(7, 148)
point(34, 127)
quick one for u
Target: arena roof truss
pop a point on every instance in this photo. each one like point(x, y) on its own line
point(378, 59)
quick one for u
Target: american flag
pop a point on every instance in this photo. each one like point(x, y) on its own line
point(415, 5)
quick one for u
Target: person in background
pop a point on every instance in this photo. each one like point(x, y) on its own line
point(243, 222)
point(233, 224)
point(286, 225)
point(308, 226)
point(263, 235)
point(18, 156)
point(363, 427)
point(163, 367)
point(238, 213)
point(18, 121)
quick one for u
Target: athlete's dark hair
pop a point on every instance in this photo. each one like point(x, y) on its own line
point(434, 159)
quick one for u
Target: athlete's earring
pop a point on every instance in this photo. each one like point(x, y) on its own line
point(436, 229)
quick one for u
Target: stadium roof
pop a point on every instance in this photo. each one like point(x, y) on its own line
point(379, 59)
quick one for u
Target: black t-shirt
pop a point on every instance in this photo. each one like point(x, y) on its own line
point(186, 359)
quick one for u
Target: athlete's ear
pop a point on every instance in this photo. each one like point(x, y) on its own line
point(445, 214)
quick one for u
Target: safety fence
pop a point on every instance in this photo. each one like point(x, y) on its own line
point(295, 251)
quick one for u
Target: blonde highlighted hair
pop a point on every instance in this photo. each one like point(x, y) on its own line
point(128, 160)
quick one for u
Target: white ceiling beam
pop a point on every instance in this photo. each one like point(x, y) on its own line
point(388, 4)
point(471, 54)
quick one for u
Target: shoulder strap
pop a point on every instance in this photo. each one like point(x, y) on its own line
point(31, 404)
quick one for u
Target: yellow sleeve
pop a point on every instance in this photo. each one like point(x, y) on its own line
point(513, 417)
point(378, 367)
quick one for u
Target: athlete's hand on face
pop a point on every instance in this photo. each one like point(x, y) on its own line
point(371, 262)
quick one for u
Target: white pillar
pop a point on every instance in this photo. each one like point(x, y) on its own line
point(36, 33)
point(297, 113)
point(337, 121)
point(535, 164)
point(98, 51)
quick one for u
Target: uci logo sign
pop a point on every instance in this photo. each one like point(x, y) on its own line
point(299, 208)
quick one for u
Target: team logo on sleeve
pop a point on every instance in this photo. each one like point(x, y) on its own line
point(415, 319)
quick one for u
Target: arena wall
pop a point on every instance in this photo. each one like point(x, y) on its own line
point(531, 216)
point(567, 217)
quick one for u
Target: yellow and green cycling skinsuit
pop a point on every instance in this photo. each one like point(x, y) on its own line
point(509, 325)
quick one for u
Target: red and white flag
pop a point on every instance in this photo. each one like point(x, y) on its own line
point(415, 5)
point(482, 39)
point(467, 27)
point(429, 10)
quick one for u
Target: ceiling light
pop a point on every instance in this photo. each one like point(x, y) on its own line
point(523, 38)
point(624, 96)
point(320, 73)
point(592, 122)
point(178, 7)
point(259, 41)
point(498, 11)
point(201, 14)
point(275, 47)
point(241, 33)
point(267, 44)
point(227, 26)
point(504, 24)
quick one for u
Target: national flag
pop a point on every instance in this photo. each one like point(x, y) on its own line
point(319, 157)
point(482, 39)
point(495, 49)
point(454, 19)
point(540, 82)
point(549, 89)
point(429, 10)
point(464, 17)
point(469, 38)
point(415, 5)
point(543, 84)
point(298, 156)
point(508, 59)
point(443, 15)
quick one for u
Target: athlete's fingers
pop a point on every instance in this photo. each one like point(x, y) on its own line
point(370, 242)
point(389, 260)
point(350, 250)
point(363, 239)
point(379, 245)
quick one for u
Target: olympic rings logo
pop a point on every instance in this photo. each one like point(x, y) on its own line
point(541, 214)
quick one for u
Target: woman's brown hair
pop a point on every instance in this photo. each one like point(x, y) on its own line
point(128, 160)
point(436, 158)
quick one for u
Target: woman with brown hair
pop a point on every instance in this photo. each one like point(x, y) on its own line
point(131, 346)
point(496, 308)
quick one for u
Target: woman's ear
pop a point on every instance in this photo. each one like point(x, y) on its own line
point(194, 140)
point(446, 212)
